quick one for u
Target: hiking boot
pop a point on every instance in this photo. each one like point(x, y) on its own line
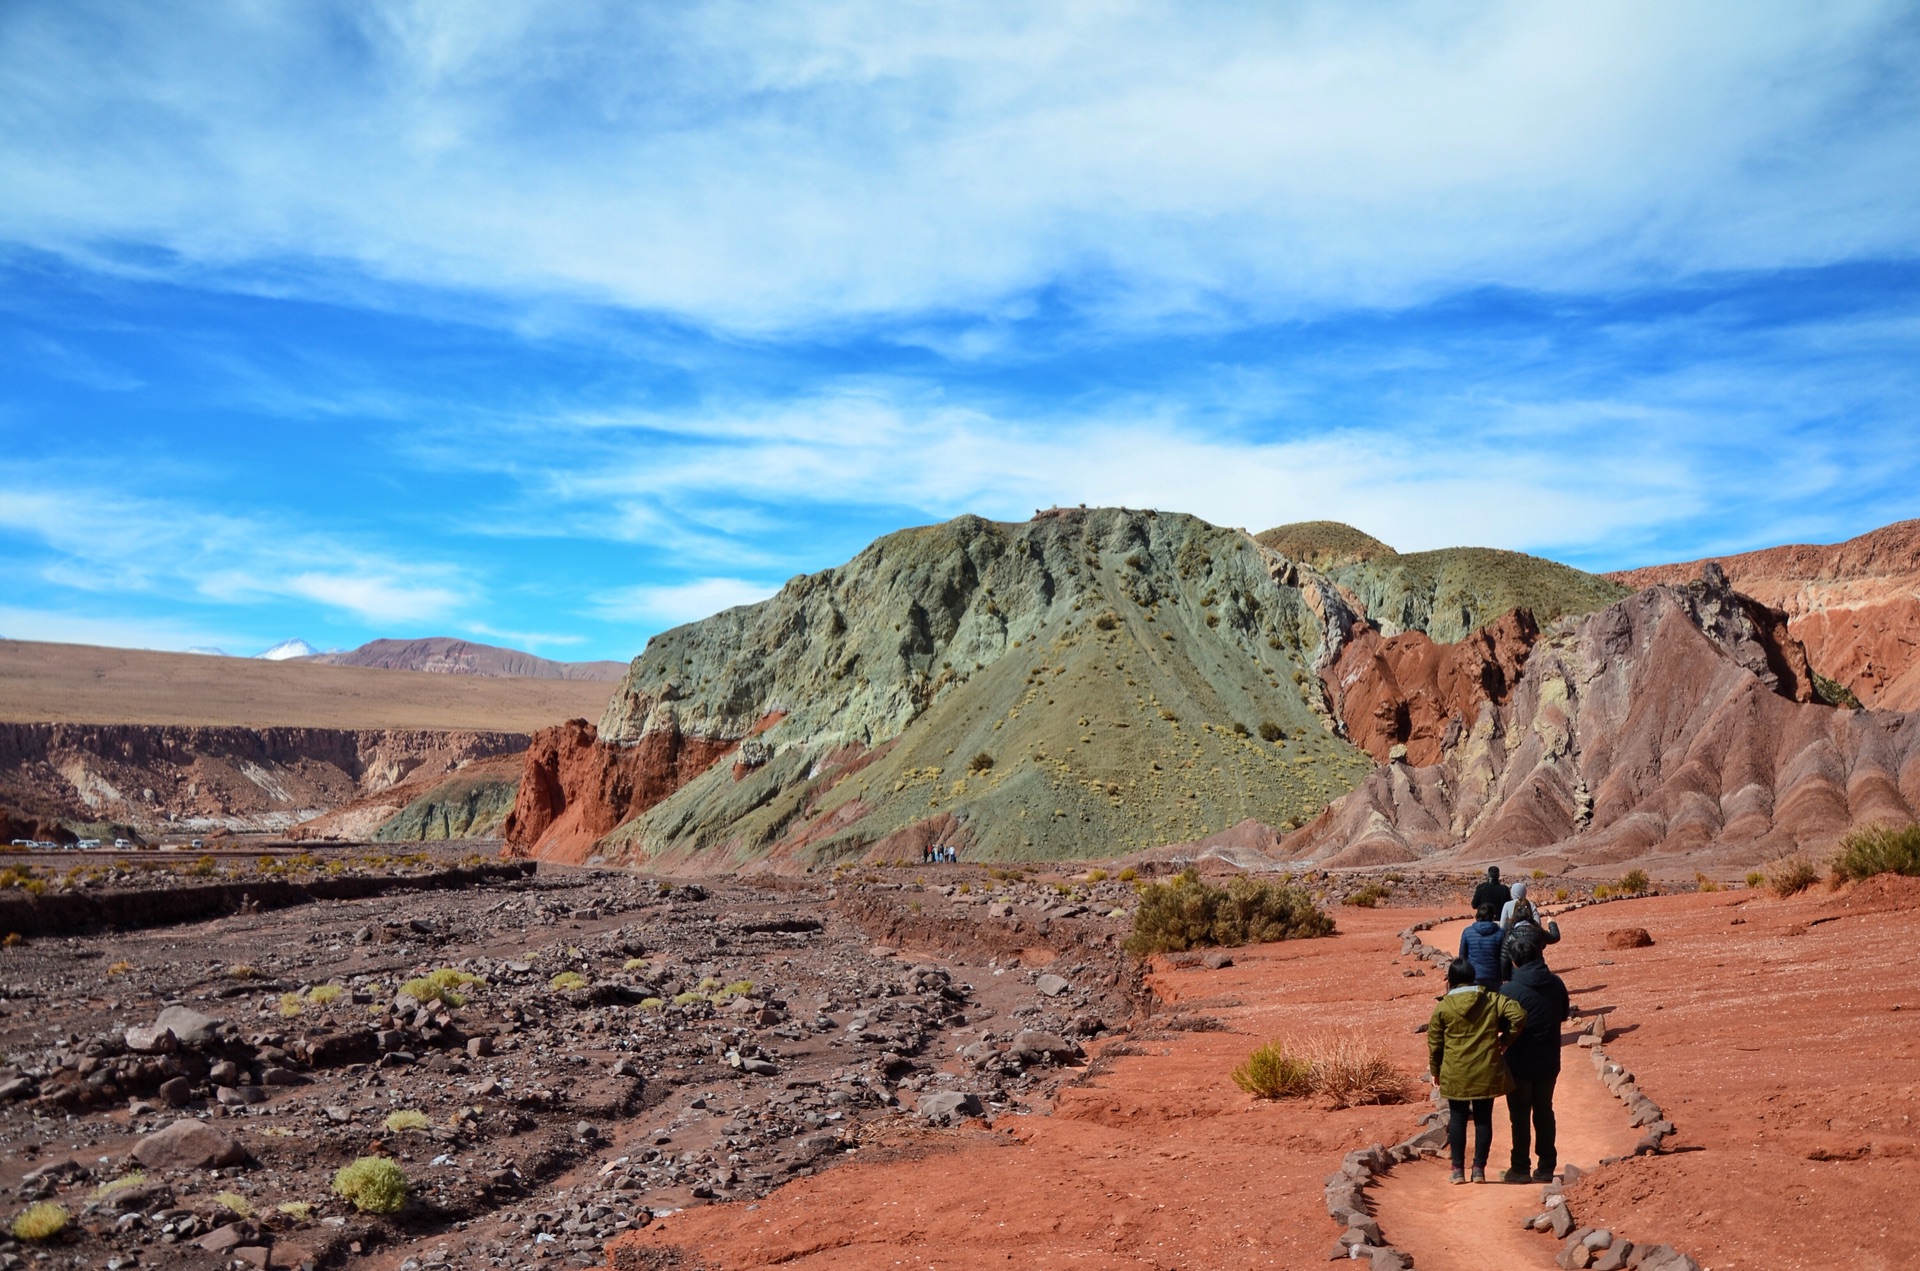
point(1543, 1176)
point(1457, 1177)
point(1479, 1175)
point(1516, 1176)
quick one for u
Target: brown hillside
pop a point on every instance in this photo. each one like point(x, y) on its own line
point(442, 655)
point(75, 683)
point(1855, 605)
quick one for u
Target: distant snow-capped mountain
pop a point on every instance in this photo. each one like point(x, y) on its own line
point(281, 652)
point(212, 652)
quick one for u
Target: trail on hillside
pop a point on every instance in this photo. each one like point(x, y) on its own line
point(1473, 1227)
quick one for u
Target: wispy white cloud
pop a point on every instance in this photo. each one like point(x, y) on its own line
point(762, 167)
point(669, 604)
point(523, 639)
point(119, 544)
point(130, 630)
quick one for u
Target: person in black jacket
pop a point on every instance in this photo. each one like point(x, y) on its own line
point(1533, 1061)
point(1491, 892)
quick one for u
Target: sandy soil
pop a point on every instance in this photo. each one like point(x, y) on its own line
point(1780, 1036)
point(1783, 1040)
point(1156, 1161)
point(73, 683)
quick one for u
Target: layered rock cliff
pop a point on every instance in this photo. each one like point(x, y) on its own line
point(1086, 683)
point(1855, 605)
point(190, 779)
point(1678, 728)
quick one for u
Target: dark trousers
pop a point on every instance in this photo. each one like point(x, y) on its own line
point(1458, 1110)
point(1530, 1108)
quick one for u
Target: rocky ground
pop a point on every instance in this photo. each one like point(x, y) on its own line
point(599, 1048)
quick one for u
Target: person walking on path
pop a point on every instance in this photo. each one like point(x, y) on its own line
point(1521, 913)
point(1491, 892)
point(1533, 1061)
point(1480, 947)
point(1466, 1034)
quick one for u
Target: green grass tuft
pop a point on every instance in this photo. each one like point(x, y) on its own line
point(372, 1185)
point(43, 1221)
point(1879, 849)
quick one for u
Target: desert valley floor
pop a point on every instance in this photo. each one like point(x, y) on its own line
point(738, 1073)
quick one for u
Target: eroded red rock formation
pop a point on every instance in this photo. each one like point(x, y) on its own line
point(577, 788)
point(1405, 690)
point(1674, 726)
point(1854, 605)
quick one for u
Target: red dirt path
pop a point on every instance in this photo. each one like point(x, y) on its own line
point(1791, 1036)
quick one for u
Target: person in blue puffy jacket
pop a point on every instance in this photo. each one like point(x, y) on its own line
point(1480, 945)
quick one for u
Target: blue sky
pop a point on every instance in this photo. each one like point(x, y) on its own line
point(554, 325)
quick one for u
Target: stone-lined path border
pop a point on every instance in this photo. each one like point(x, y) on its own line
point(1589, 1248)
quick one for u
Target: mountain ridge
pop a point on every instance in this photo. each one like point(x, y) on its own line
point(1090, 682)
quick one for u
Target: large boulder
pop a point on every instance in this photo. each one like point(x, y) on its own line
point(1034, 1047)
point(188, 1144)
point(950, 1107)
point(187, 1024)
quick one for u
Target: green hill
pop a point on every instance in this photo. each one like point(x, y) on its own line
point(1084, 684)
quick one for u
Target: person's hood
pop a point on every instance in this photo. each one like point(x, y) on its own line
point(1519, 890)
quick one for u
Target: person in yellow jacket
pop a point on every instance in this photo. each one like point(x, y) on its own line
point(1466, 1037)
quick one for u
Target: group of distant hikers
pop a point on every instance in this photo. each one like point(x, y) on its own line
point(936, 854)
point(1496, 1032)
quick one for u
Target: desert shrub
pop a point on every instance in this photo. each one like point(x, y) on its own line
point(652, 1003)
point(1345, 1070)
point(1537, 875)
point(1270, 731)
point(1790, 876)
point(1271, 1072)
point(406, 1119)
point(981, 762)
point(43, 1221)
point(242, 971)
point(1166, 714)
point(1756, 880)
point(633, 964)
point(1128, 874)
point(291, 1005)
point(1107, 621)
point(1239, 729)
point(298, 1210)
point(567, 981)
point(234, 1203)
point(1367, 897)
point(1879, 849)
point(326, 994)
point(111, 1186)
point(1187, 913)
point(442, 986)
point(1096, 875)
point(1350, 1073)
point(1560, 893)
point(1702, 883)
point(13, 941)
point(372, 1185)
point(1603, 892)
point(1632, 883)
